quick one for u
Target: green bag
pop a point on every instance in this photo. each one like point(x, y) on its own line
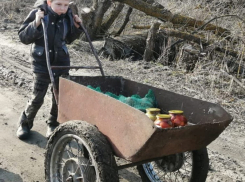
point(135, 101)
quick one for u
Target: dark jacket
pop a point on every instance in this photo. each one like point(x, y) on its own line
point(60, 31)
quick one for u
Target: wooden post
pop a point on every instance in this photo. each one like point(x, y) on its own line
point(148, 54)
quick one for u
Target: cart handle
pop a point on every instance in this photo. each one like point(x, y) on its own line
point(92, 47)
point(74, 11)
point(55, 90)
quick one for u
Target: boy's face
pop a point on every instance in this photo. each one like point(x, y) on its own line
point(59, 6)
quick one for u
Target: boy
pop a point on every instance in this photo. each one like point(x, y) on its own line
point(62, 27)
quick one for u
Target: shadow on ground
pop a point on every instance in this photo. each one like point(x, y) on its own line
point(6, 176)
point(127, 175)
point(36, 138)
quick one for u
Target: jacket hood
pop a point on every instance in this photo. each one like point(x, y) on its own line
point(41, 4)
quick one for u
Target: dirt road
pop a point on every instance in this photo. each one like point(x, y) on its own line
point(20, 161)
point(23, 161)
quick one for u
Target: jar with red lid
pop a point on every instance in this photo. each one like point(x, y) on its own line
point(177, 118)
point(163, 121)
point(152, 113)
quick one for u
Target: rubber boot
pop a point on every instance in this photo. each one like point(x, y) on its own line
point(51, 125)
point(23, 131)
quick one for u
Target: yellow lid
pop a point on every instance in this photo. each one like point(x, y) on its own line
point(153, 109)
point(175, 112)
point(164, 116)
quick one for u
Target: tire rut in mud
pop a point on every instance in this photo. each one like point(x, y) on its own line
point(15, 69)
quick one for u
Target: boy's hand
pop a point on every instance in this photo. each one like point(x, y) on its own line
point(39, 16)
point(77, 21)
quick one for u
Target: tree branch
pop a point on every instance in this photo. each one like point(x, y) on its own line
point(166, 15)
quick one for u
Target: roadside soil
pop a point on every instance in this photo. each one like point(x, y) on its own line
point(23, 161)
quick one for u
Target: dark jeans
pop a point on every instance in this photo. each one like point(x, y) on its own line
point(40, 86)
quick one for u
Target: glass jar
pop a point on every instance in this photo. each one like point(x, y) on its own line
point(177, 118)
point(152, 112)
point(163, 121)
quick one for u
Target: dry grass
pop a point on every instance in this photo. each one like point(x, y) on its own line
point(15, 10)
point(214, 65)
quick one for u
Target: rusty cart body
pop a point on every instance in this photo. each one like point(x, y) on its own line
point(130, 134)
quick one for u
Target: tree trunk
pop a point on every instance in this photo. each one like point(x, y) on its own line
point(87, 15)
point(92, 17)
point(112, 17)
point(101, 7)
point(126, 20)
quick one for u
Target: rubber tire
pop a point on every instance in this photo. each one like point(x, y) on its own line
point(101, 150)
point(199, 169)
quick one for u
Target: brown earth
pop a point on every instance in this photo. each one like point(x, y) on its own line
point(24, 160)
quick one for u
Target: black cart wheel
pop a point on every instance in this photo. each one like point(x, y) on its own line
point(184, 167)
point(76, 152)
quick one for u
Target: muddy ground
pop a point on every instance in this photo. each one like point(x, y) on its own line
point(23, 161)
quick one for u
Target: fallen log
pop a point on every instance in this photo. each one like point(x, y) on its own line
point(163, 26)
point(133, 46)
point(123, 47)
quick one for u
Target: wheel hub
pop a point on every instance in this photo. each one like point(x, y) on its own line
point(78, 170)
point(71, 171)
point(171, 163)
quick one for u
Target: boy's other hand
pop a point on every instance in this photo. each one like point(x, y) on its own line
point(77, 21)
point(39, 16)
